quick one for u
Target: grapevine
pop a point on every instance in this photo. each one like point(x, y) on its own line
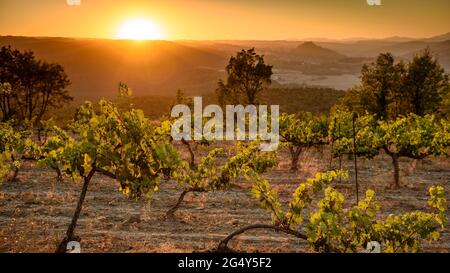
point(331, 228)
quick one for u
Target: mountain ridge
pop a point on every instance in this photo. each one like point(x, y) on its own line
point(311, 52)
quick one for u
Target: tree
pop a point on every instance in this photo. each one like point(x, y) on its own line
point(246, 76)
point(412, 136)
point(210, 175)
point(425, 85)
point(122, 145)
point(444, 109)
point(390, 89)
point(379, 81)
point(302, 131)
point(182, 99)
point(30, 86)
point(331, 228)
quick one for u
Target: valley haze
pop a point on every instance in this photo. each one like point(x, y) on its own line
point(160, 68)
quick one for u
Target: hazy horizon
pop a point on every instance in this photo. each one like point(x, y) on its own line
point(225, 20)
point(158, 47)
point(346, 39)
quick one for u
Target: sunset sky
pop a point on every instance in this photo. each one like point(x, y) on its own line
point(225, 19)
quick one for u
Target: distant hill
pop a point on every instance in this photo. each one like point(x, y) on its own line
point(310, 52)
point(440, 49)
point(159, 68)
point(150, 67)
point(398, 39)
point(399, 49)
point(440, 38)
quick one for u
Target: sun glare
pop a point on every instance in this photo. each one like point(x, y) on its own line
point(139, 29)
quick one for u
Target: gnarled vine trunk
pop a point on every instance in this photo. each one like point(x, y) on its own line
point(191, 154)
point(295, 155)
point(223, 245)
point(59, 176)
point(396, 172)
point(395, 163)
point(15, 171)
point(70, 234)
point(171, 211)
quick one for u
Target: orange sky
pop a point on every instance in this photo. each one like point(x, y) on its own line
point(228, 19)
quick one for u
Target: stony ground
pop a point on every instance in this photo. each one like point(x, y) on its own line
point(36, 210)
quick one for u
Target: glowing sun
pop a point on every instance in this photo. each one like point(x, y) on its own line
point(139, 29)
